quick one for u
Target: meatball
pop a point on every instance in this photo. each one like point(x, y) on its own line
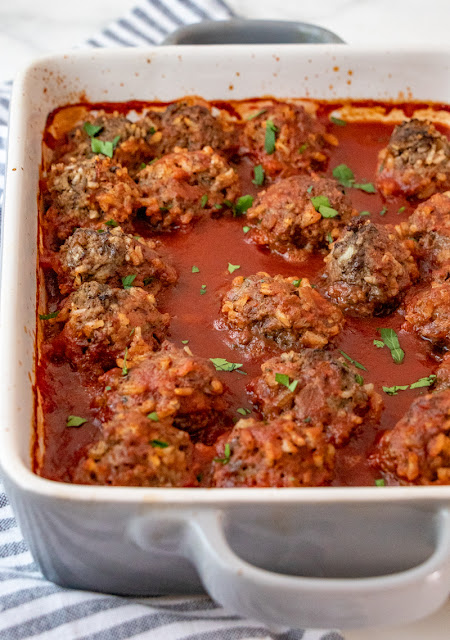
point(192, 127)
point(281, 453)
point(284, 137)
point(133, 142)
point(263, 308)
point(111, 257)
point(88, 193)
point(287, 216)
point(429, 225)
point(172, 384)
point(321, 388)
point(186, 184)
point(369, 269)
point(428, 313)
point(416, 161)
point(138, 452)
point(417, 450)
point(100, 323)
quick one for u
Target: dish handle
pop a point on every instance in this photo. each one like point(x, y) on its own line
point(291, 601)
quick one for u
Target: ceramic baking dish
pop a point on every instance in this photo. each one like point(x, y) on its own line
point(316, 557)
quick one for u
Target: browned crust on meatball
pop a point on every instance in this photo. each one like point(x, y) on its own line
point(369, 269)
point(416, 162)
point(261, 309)
point(326, 389)
point(178, 387)
point(186, 184)
point(428, 314)
point(88, 193)
point(108, 256)
point(281, 453)
point(138, 452)
point(284, 218)
point(301, 141)
point(100, 322)
point(417, 450)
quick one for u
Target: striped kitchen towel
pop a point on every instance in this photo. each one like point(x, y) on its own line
point(32, 607)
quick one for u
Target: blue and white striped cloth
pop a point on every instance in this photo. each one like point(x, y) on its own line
point(32, 607)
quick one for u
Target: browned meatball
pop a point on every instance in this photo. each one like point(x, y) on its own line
point(281, 453)
point(416, 161)
point(428, 313)
point(186, 184)
point(369, 269)
point(101, 322)
point(88, 193)
point(300, 142)
point(175, 386)
point(133, 142)
point(263, 308)
point(321, 388)
point(111, 257)
point(139, 452)
point(429, 225)
point(417, 450)
point(193, 126)
point(286, 217)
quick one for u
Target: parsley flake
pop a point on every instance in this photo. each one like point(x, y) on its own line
point(322, 205)
point(257, 114)
point(143, 165)
point(125, 368)
point(204, 200)
point(390, 339)
point(223, 365)
point(153, 416)
point(401, 209)
point(245, 229)
point(309, 189)
point(346, 177)
point(160, 444)
point(185, 342)
point(270, 138)
point(104, 147)
point(91, 129)
point(383, 211)
point(358, 365)
point(233, 267)
point(359, 379)
point(226, 455)
point(379, 482)
point(303, 148)
point(283, 378)
point(108, 388)
point(75, 421)
point(423, 382)
point(241, 206)
point(364, 213)
point(203, 289)
point(338, 121)
point(379, 343)
point(48, 316)
point(329, 237)
point(243, 411)
point(297, 282)
point(127, 281)
point(195, 269)
point(111, 223)
point(258, 172)
point(392, 391)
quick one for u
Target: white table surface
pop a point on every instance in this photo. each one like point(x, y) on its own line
point(29, 28)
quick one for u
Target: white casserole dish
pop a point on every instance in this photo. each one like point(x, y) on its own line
point(315, 557)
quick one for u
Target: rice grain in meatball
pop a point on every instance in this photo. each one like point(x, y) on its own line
point(321, 388)
point(281, 453)
point(287, 216)
point(262, 309)
point(112, 257)
point(285, 138)
point(369, 269)
point(136, 451)
point(172, 384)
point(416, 161)
point(100, 322)
point(186, 184)
point(428, 314)
point(417, 450)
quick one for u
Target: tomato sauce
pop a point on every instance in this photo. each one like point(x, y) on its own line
point(211, 244)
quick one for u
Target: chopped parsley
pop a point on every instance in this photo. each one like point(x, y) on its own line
point(217, 206)
point(303, 148)
point(195, 269)
point(258, 172)
point(358, 365)
point(104, 147)
point(125, 368)
point(392, 391)
point(153, 416)
point(338, 121)
point(185, 342)
point(203, 289)
point(204, 200)
point(401, 209)
point(359, 379)
point(108, 388)
point(346, 177)
point(270, 138)
point(390, 339)
point(383, 211)
point(226, 455)
point(309, 189)
point(91, 129)
point(364, 213)
point(379, 482)
point(283, 378)
point(307, 420)
point(243, 411)
point(223, 365)
point(143, 165)
point(379, 343)
point(241, 206)
point(111, 223)
point(422, 382)
point(257, 114)
point(233, 267)
point(127, 281)
point(322, 205)
point(297, 282)
point(160, 444)
point(48, 316)
point(245, 229)
point(329, 237)
point(75, 421)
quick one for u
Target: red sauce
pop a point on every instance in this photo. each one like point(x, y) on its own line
point(210, 245)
